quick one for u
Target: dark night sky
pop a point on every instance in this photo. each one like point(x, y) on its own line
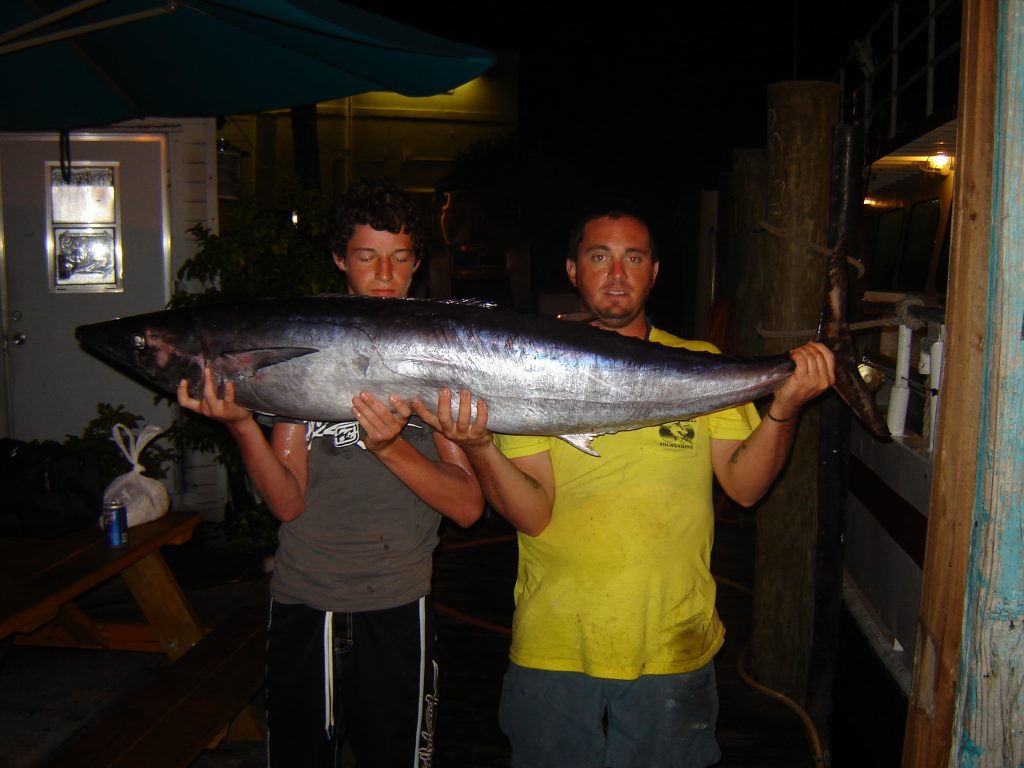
point(645, 100)
point(670, 88)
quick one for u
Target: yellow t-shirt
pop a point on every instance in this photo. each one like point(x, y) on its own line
point(619, 583)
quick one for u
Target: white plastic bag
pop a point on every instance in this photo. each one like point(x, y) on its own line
point(144, 498)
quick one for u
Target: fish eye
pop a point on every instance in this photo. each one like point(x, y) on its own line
point(139, 342)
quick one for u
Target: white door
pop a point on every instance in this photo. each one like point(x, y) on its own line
point(50, 288)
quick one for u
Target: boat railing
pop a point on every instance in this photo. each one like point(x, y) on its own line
point(908, 355)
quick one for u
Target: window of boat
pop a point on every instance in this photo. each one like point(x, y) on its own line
point(922, 230)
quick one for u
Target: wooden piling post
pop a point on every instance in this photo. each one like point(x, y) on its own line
point(801, 119)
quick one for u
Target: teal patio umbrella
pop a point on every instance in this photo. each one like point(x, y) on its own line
point(69, 65)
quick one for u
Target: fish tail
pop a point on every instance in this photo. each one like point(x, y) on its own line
point(835, 334)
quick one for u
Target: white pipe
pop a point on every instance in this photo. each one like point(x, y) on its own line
point(933, 385)
point(896, 418)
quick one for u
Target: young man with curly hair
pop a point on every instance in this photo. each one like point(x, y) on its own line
point(351, 642)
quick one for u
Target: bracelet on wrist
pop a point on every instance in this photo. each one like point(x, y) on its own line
point(768, 413)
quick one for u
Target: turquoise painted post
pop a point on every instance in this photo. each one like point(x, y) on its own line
point(989, 721)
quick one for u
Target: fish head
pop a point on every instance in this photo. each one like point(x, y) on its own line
point(155, 347)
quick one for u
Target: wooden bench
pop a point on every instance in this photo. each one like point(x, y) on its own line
point(169, 718)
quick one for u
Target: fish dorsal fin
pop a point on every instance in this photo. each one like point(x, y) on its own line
point(474, 303)
point(464, 302)
point(245, 363)
point(583, 442)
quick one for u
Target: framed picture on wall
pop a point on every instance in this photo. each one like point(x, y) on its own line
point(84, 245)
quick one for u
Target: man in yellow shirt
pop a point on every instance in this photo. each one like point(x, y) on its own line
point(615, 627)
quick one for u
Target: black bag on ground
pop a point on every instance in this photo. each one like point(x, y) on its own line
point(48, 490)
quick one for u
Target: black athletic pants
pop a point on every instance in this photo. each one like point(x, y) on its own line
point(378, 685)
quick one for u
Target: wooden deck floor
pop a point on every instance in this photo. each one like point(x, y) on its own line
point(44, 693)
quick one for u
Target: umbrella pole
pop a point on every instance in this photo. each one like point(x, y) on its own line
point(45, 21)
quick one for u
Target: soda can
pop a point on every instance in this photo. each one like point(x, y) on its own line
point(115, 523)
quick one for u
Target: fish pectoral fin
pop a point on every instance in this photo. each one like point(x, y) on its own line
point(583, 442)
point(245, 363)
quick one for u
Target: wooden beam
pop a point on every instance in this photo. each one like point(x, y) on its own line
point(164, 604)
point(989, 716)
point(108, 636)
point(930, 713)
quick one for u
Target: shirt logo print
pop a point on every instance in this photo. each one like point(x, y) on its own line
point(677, 434)
point(341, 432)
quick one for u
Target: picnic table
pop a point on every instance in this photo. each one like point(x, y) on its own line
point(172, 715)
point(40, 579)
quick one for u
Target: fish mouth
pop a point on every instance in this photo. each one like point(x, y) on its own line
point(99, 338)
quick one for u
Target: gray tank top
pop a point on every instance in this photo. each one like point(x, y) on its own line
point(365, 541)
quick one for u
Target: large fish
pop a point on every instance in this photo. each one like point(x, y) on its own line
point(308, 358)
